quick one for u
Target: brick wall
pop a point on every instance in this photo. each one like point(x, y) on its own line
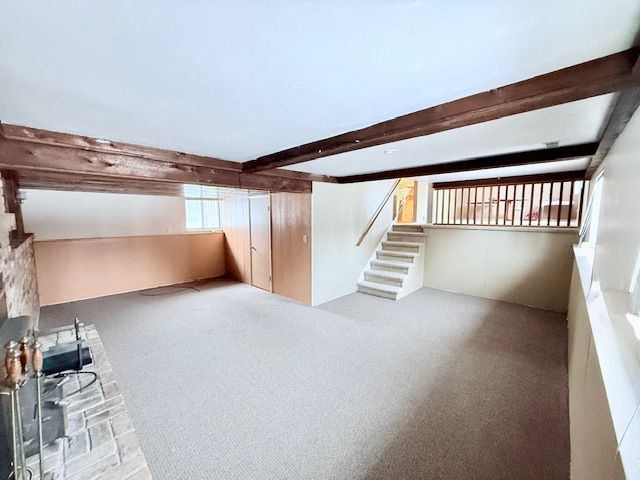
point(17, 267)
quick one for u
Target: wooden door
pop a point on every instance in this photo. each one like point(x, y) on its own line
point(291, 245)
point(260, 227)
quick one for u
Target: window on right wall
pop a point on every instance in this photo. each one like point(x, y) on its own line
point(506, 202)
point(634, 287)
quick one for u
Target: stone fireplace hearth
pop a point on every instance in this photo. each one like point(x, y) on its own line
point(101, 442)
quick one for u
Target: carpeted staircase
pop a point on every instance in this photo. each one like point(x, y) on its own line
point(395, 261)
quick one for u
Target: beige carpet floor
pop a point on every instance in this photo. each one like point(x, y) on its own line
point(235, 383)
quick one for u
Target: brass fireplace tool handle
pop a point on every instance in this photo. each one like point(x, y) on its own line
point(25, 355)
point(13, 366)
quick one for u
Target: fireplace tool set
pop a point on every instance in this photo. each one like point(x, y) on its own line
point(16, 364)
point(19, 359)
point(35, 415)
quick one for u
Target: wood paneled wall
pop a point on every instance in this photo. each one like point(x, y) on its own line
point(234, 219)
point(291, 255)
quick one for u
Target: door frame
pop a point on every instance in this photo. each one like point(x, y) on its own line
point(415, 203)
point(268, 195)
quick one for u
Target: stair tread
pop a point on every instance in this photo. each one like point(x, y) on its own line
point(386, 274)
point(407, 234)
point(396, 253)
point(407, 227)
point(398, 243)
point(390, 263)
point(380, 286)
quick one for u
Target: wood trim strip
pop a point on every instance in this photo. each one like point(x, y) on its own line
point(521, 179)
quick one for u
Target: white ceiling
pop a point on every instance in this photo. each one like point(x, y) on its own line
point(240, 79)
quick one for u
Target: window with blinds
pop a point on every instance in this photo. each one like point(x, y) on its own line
point(530, 204)
point(202, 209)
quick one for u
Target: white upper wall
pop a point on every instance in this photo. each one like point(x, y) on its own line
point(339, 215)
point(53, 215)
point(618, 243)
point(239, 79)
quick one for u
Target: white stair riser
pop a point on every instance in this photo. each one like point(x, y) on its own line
point(372, 277)
point(377, 293)
point(408, 228)
point(382, 255)
point(389, 268)
point(403, 237)
point(400, 248)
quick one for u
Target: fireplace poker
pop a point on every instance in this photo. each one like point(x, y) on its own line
point(13, 367)
point(36, 356)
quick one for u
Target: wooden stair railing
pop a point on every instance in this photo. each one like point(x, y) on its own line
point(381, 206)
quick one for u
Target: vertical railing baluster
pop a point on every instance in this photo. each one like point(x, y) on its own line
point(522, 204)
point(570, 214)
point(498, 200)
point(531, 204)
point(550, 200)
point(455, 205)
point(498, 207)
point(513, 206)
point(584, 182)
point(448, 205)
point(475, 204)
point(540, 203)
point(506, 201)
point(559, 216)
point(490, 204)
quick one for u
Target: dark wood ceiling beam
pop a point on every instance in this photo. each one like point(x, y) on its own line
point(515, 180)
point(625, 105)
point(482, 163)
point(36, 179)
point(310, 177)
point(20, 155)
point(59, 139)
point(596, 77)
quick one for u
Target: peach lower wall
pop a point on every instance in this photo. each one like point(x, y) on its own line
point(77, 269)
